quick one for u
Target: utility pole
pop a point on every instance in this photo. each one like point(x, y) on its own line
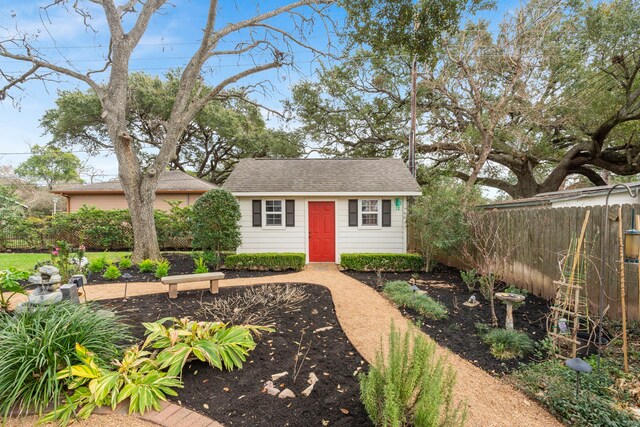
point(412, 134)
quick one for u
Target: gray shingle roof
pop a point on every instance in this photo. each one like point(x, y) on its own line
point(170, 182)
point(321, 176)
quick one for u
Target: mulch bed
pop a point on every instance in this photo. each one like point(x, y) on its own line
point(180, 264)
point(458, 332)
point(235, 398)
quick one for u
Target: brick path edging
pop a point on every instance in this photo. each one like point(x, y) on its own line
point(170, 415)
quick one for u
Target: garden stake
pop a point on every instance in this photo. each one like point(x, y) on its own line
point(623, 296)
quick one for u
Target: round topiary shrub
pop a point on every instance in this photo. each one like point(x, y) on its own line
point(214, 222)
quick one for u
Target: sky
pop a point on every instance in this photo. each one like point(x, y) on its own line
point(171, 39)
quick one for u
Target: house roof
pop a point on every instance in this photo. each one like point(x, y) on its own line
point(546, 199)
point(321, 176)
point(170, 182)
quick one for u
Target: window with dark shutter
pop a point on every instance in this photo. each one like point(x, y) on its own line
point(257, 213)
point(291, 213)
point(353, 212)
point(386, 213)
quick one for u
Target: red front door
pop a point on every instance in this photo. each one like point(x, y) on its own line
point(322, 232)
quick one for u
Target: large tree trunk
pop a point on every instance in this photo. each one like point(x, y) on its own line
point(145, 238)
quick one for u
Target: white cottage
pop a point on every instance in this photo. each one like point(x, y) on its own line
point(322, 207)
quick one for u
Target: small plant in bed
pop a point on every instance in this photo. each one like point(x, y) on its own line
point(10, 286)
point(35, 344)
point(602, 400)
point(506, 344)
point(147, 266)
point(112, 273)
point(411, 386)
point(98, 264)
point(201, 266)
point(401, 294)
point(125, 263)
point(162, 269)
point(220, 345)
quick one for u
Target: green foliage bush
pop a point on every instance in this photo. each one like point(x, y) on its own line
point(401, 294)
point(98, 264)
point(36, 343)
point(214, 222)
point(508, 344)
point(470, 278)
point(600, 402)
point(112, 273)
point(162, 269)
point(437, 219)
point(201, 266)
point(147, 266)
point(10, 286)
point(381, 262)
point(125, 263)
point(411, 386)
point(265, 261)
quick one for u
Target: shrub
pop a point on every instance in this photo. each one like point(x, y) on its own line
point(508, 344)
point(112, 273)
point(599, 402)
point(162, 269)
point(381, 262)
point(437, 219)
point(10, 286)
point(97, 265)
point(147, 266)
point(36, 343)
point(411, 386)
point(214, 222)
point(216, 343)
point(401, 294)
point(125, 263)
point(255, 306)
point(201, 266)
point(265, 261)
point(470, 278)
point(137, 378)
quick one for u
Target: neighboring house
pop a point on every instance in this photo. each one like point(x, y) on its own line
point(172, 186)
point(322, 207)
point(579, 197)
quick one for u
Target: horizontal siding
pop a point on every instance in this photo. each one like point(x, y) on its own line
point(349, 239)
point(117, 201)
point(258, 239)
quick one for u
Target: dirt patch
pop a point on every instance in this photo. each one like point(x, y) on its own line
point(235, 398)
point(180, 264)
point(458, 332)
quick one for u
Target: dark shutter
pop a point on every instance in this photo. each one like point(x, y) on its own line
point(291, 213)
point(353, 212)
point(257, 213)
point(386, 213)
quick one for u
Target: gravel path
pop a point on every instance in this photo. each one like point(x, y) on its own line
point(365, 316)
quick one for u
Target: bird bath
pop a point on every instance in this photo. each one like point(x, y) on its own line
point(509, 299)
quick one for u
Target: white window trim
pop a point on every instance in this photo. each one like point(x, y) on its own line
point(282, 225)
point(379, 221)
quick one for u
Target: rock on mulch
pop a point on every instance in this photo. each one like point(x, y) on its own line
point(458, 332)
point(237, 398)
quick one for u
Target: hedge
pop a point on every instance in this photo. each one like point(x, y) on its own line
point(265, 261)
point(381, 262)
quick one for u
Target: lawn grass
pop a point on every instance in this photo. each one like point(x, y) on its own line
point(26, 261)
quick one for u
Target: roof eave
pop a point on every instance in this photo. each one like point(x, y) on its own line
point(324, 193)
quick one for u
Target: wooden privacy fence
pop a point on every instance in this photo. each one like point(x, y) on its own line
point(540, 239)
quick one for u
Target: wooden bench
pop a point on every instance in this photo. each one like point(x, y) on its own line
point(173, 281)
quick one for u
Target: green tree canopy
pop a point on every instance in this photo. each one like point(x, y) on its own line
point(220, 134)
point(50, 165)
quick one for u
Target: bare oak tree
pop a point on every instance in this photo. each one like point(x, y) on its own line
point(127, 22)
